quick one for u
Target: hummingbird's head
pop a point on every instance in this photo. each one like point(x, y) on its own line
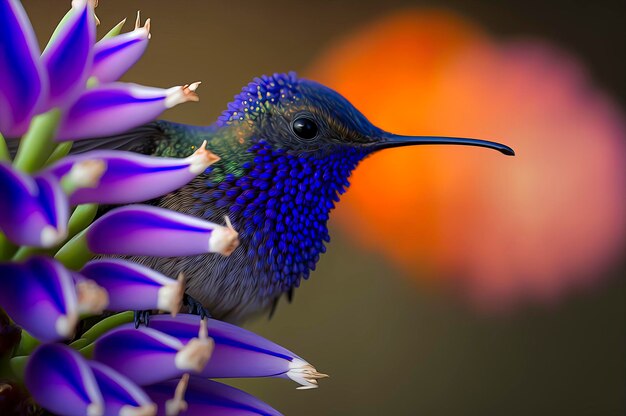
point(303, 117)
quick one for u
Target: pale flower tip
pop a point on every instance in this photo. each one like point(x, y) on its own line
point(92, 298)
point(170, 296)
point(95, 409)
point(177, 404)
point(87, 173)
point(201, 159)
point(195, 355)
point(183, 94)
point(224, 240)
point(304, 374)
point(66, 324)
point(147, 409)
point(138, 20)
point(51, 236)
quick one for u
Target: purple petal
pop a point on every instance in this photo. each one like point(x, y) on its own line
point(114, 56)
point(115, 108)
point(36, 212)
point(132, 286)
point(121, 396)
point(39, 296)
point(150, 231)
point(69, 55)
point(54, 202)
point(206, 397)
point(239, 352)
point(147, 356)
point(60, 380)
point(21, 83)
point(131, 177)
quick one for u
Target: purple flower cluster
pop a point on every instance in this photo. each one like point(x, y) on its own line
point(49, 281)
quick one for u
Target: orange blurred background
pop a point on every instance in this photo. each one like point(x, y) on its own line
point(503, 230)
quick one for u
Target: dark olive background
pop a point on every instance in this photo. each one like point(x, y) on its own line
point(390, 345)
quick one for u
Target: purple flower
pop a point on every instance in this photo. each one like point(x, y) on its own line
point(115, 55)
point(114, 108)
point(240, 353)
point(130, 177)
point(132, 286)
point(69, 55)
point(33, 211)
point(39, 295)
point(145, 230)
point(206, 397)
point(21, 84)
point(148, 356)
point(30, 85)
point(63, 382)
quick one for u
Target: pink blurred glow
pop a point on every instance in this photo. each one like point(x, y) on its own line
point(502, 230)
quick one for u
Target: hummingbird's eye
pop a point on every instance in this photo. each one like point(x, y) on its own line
point(304, 128)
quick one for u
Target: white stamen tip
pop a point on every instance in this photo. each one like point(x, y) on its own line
point(92, 298)
point(194, 85)
point(147, 27)
point(201, 159)
point(170, 296)
point(138, 20)
point(304, 374)
point(203, 332)
point(178, 404)
point(224, 240)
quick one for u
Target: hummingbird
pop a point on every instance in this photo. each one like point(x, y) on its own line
point(288, 146)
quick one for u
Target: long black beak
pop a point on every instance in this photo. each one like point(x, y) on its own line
point(388, 140)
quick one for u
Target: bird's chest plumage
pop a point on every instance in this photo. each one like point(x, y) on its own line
point(280, 204)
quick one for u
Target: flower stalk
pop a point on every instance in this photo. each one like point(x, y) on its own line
point(37, 145)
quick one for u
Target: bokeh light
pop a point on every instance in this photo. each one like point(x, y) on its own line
point(500, 230)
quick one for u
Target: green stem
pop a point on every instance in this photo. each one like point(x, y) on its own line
point(79, 343)
point(37, 144)
point(18, 365)
point(82, 216)
point(107, 324)
point(75, 253)
point(25, 252)
point(7, 248)
point(4, 150)
point(59, 152)
point(27, 344)
point(87, 351)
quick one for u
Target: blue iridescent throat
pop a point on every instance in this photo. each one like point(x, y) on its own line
point(281, 206)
